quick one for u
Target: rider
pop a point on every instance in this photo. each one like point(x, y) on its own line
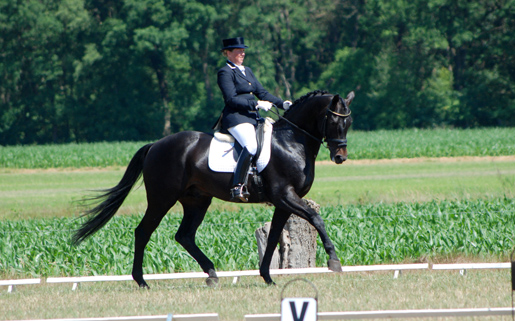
point(239, 87)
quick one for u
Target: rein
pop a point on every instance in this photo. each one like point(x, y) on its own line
point(295, 126)
point(341, 142)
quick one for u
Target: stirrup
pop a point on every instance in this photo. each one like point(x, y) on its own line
point(239, 193)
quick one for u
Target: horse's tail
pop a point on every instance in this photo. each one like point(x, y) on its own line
point(112, 198)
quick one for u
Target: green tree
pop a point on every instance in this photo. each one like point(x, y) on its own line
point(38, 47)
point(89, 70)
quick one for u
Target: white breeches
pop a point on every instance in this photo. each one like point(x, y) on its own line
point(245, 134)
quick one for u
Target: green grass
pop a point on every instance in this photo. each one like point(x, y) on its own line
point(39, 194)
point(362, 145)
point(55, 193)
point(419, 181)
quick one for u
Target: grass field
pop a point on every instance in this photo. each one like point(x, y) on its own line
point(55, 193)
point(337, 292)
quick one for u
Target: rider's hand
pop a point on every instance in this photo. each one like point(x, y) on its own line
point(287, 104)
point(263, 104)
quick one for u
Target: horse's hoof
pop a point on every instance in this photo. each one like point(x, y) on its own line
point(212, 282)
point(268, 280)
point(144, 285)
point(334, 265)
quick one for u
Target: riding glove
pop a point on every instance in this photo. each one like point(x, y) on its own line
point(263, 104)
point(287, 104)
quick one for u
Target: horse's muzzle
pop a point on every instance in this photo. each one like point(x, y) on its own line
point(339, 156)
point(338, 159)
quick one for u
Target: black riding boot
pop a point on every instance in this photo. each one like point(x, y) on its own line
point(239, 192)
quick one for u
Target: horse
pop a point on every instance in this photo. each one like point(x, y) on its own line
point(175, 169)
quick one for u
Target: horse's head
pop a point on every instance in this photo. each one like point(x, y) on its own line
point(322, 116)
point(337, 123)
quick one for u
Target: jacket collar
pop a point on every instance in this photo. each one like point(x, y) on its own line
point(234, 67)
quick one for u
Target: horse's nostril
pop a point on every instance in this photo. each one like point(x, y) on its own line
point(339, 159)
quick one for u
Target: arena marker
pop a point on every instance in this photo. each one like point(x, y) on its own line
point(299, 309)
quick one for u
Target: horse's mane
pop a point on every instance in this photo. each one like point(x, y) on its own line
point(302, 99)
point(296, 104)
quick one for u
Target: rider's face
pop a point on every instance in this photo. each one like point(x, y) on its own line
point(237, 56)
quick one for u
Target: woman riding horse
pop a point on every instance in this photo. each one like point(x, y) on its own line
point(175, 170)
point(239, 86)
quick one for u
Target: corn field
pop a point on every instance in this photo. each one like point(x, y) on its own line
point(362, 145)
point(363, 234)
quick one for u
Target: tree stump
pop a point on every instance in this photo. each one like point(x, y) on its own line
point(262, 240)
point(297, 242)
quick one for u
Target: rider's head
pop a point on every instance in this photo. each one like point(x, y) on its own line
point(234, 49)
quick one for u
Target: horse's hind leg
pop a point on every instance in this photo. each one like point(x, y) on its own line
point(147, 226)
point(194, 212)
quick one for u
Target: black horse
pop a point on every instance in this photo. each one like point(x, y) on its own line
point(175, 168)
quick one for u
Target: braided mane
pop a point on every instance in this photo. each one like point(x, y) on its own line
point(304, 98)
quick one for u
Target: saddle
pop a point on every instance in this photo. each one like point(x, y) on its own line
point(224, 151)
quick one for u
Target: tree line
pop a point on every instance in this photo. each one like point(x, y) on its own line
point(95, 70)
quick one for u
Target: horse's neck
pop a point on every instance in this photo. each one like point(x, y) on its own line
point(298, 145)
point(302, 137)
point(309, 115)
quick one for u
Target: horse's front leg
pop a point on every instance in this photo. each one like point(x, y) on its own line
point(279, 219)
point(292, 203)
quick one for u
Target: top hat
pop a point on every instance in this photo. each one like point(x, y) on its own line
point(233, 43)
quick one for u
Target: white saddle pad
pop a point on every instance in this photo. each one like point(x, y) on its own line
point(221, 151)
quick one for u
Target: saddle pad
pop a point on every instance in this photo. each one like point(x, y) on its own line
point(222, 156)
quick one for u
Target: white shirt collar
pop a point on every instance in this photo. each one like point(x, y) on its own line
point(233, 66)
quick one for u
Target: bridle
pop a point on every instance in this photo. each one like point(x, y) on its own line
point(340, 142)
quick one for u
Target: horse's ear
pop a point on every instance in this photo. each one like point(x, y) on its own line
point(336, 99)
point(349, 98)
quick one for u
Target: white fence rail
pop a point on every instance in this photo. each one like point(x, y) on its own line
point(169, 317)
point(471, 266)
point(389, 314)
point(237, 274)
point(12, 283)
point(396, 268)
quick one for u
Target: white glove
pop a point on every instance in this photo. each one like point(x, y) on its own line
point(263, 104)
point(287, 104)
